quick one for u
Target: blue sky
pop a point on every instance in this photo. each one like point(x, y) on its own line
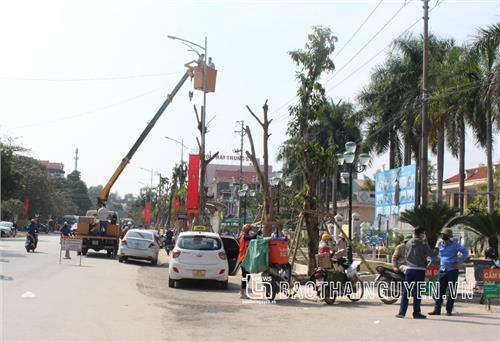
point(91, 74)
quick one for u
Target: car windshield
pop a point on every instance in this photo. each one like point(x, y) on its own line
point(139, 235)
point(200, 243)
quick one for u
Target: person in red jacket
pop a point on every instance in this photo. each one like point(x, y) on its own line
point(246, 235)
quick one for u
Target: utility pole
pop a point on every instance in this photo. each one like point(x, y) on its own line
point(76, 159)
point(201, 189)
point(241, 132)
point(425, 106)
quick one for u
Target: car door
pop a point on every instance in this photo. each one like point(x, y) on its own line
point(232, 248)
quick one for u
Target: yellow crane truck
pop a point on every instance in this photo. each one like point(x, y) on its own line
point(88, 225)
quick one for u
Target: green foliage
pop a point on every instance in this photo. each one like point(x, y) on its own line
point(78, 193)
point(485, 225)
point(11, 177)
point(12, 209)
point(310, 155)
point(34, 184)
point(60, 198)
point(433, 218)
point(368, 184)
point(480, 203)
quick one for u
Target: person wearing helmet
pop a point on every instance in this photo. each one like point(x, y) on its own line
point(324, 246)
point(246, 235)
point(451, 255)
point(398, 258)
point(33, 231)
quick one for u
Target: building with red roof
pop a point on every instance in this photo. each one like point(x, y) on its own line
point(473, 178)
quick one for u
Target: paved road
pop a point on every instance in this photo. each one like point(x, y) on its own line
point(106, 300)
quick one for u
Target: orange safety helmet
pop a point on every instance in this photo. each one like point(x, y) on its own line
point(247, 227)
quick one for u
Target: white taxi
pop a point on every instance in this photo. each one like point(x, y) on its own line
point(198, 255)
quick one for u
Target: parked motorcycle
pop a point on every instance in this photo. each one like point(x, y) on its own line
point(389, 284)
point(43, 228)
point(274, 276)
point(30, 243)
point(342, 280)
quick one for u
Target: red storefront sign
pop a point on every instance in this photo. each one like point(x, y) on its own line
point(193, 181)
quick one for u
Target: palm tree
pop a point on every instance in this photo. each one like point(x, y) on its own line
point(337, 124)
point(459, 101)
point(433, 218)
point(487, 226)
point(486, 47)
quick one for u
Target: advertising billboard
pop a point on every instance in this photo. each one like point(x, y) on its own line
point(395, 191)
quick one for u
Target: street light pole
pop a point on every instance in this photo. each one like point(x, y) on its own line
point(180, 143)
point(352, 164)
point(349, 247)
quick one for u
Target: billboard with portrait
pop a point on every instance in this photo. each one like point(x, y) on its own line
point(395, 191)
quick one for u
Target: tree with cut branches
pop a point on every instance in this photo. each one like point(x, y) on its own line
point(263, 174)
point(314, 158)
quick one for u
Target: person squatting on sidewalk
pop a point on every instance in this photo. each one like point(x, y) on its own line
point(416, 252)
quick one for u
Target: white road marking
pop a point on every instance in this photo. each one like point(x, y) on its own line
point(28, 294)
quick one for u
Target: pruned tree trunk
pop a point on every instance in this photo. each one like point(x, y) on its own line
point(407, 153)
point(268, 214)
point(334, 192)
point(461, 167)
point(489, 156)
point(392, 151)
point(440, 164)
point(311, 220)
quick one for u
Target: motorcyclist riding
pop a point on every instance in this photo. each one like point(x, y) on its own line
point(168, 240)
point(33, 231)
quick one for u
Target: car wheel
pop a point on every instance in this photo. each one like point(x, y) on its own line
point(154, 262)
point(120, 259)
point(223, 285)
point(84, 251)
point(171, 283)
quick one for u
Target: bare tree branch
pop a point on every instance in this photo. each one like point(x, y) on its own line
point(255, 116)
point(207, 161)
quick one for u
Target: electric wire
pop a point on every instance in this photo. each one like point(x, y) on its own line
point(85, 79)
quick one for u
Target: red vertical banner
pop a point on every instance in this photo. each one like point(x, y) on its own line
point(26, 206)
point(147, 214)
point(193, 181)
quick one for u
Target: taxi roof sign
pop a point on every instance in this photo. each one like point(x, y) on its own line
point(199, 229)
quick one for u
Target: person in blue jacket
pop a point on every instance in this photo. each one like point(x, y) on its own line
point(33, 231)
point(451, 255)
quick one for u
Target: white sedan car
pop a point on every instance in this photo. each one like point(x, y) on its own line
point(6, 228)
point(139, 244)
point(198, 255)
